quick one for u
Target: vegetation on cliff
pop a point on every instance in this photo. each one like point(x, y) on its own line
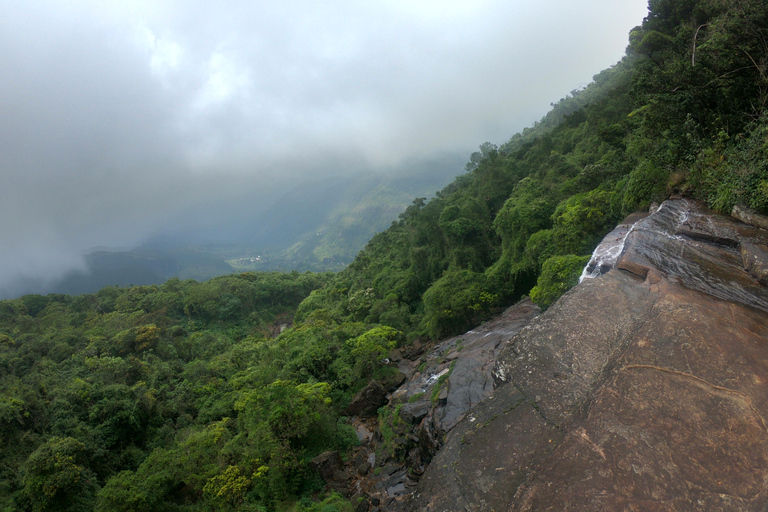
point(178, 397)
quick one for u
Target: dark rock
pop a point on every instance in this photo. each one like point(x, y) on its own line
point(415, 412)
point(367, 401)
point(698, 230)
point(339, 487)
point(327, 464)
point(755, 258)
point(414, 458)
point(509, 438)
point(394, 381)
point(389, 469)
point(341, 476)
point(363, 467)
point(396, 480)
point(748, 216)
point(467, 387)
point(471, 379)
point(396, 490)
point(395, 355)
point(361, 502)
point(413, 351)
point(428, 439)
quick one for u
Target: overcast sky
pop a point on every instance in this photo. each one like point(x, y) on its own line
point(116, 115)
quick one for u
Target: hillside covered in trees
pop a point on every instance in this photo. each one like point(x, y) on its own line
point(190, 396)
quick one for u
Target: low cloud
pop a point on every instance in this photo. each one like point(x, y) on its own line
point(116, 118)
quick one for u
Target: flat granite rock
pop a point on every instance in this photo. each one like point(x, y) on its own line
point(678, 425)
point(636, 391)
point(487, 456)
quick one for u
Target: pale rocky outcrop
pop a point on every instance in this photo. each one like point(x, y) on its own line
point(749, 216)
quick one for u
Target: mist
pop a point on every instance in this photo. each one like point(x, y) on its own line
point(120, 121)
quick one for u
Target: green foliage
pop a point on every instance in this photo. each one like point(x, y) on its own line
point(393, 429)
point(57, 478)
point(135, 396)
point(181, 396)
point(369, 349)
point(527, 211)
point(415, 397)
point(736, 173)
point(455, 301)
point(558, 275)
point(646, 183)
point(333, 503)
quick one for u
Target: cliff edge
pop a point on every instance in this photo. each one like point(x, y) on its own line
point(643, 388)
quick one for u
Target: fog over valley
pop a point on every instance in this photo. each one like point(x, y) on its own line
point(124, 124)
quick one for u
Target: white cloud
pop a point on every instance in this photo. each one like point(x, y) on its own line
point(165, 55)
point(118, 115)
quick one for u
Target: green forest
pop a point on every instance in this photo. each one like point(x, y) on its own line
point(197, 396)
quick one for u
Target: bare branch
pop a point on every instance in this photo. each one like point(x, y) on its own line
point(759, 69)
point(693, 52)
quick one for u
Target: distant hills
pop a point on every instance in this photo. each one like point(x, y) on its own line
point(317, 225)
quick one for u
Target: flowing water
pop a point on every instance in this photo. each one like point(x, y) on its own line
point(692, 246)
point(606, 254)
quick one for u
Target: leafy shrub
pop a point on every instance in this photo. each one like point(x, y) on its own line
point(455, 301)
point(558, 275)
point(646, 183)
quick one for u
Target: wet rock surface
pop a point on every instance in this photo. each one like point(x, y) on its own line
point(697, 249)
point(606, 254)
point(443, 382)
point(642, 389)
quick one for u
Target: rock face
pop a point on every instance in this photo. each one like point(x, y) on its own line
point(645, 388)
point(755, 261)
point(443, 383)
point(744, 214)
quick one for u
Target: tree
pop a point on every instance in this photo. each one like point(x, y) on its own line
point(369, 349)
point(57, 478)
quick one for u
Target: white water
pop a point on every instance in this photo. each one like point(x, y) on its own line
point(608, 252)
point(433, 378)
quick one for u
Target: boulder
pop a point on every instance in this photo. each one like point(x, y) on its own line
point(393, 381)
point(755, 258)
point(367, 401)
point(748, 216)
point(327, 464)
point(415, 412)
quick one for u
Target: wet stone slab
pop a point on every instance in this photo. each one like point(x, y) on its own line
point(643, 389)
